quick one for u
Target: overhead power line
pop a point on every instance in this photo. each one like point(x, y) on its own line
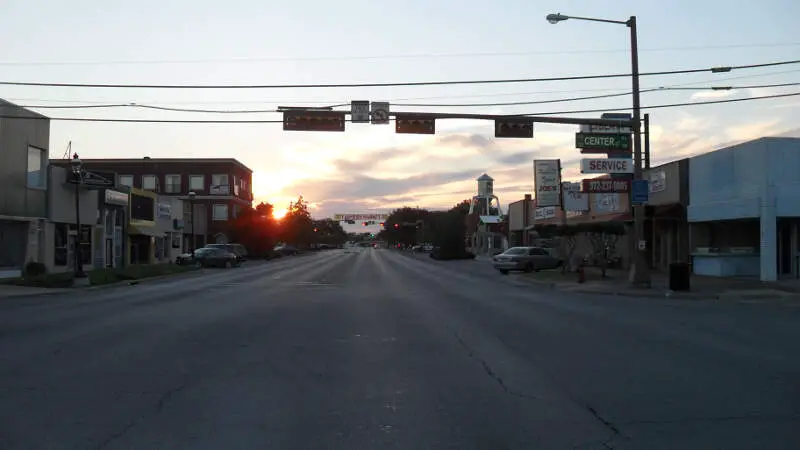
point(395, 101)
point(423, 105)
point(256, 121)
point(720, 69)
point(488, 54)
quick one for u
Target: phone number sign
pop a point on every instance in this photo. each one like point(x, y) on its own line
point(606, 186)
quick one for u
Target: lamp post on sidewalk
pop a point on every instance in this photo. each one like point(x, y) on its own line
point(192, 195)
point(77, 171)
point(639, 274)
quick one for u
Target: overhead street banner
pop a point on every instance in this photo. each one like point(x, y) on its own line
point(345, 217)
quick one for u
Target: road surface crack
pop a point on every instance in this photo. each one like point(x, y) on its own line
point(162, 402)
point(608, 424)
point(491, 373)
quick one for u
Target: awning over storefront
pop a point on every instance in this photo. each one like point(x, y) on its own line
point(145, 231)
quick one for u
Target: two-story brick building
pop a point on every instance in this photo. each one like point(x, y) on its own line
point(222, 187)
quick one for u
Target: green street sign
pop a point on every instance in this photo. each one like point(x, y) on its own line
point(603, 141)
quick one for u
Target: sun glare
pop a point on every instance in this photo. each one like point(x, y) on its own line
point(278, 214)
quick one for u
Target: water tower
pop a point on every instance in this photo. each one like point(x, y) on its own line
point(485, 202)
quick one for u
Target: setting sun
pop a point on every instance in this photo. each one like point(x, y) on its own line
point(278, 213)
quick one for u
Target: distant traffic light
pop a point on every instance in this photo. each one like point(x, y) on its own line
point(397, 225)
point(316, 229)
point(363, 224)
point(382, 224)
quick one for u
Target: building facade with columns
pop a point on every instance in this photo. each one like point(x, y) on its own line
point(744, 210)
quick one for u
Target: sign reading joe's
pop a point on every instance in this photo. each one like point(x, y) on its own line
point(547, 179)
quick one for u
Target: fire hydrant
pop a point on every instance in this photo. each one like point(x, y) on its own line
point(581, 274)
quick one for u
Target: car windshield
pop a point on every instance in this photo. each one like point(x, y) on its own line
point(516, 251)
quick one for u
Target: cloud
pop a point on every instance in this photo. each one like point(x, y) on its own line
point(362, 187)
point(744, 132)
point(714, 95)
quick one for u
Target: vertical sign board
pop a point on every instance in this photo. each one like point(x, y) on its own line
point(380, 113)
point(547, 181)
point(640, 192)
point(413, 124)
point(308, 120)
point(359, 111)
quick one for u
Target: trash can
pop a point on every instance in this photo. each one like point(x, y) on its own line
point(679, 275)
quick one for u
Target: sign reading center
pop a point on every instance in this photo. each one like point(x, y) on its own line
point(603, 141)
point(610, 165)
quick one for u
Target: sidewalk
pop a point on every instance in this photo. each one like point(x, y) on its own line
point(11, 291)
point(702, 287)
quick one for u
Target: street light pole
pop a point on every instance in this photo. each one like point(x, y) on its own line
point(639, 274)
point(77, 171)
point(192, 195)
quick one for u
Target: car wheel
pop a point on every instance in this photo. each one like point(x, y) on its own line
point(228, 264)
point(529, 267)
point(504, 271)
point(198, 264)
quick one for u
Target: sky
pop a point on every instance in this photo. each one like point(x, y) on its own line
point(368, 167)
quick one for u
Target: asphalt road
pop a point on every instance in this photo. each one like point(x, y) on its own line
point(374, 349)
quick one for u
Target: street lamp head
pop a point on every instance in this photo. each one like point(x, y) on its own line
point(192, 195)
point(75, 163)
point(555, 18)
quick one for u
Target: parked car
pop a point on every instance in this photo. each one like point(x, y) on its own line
point(286, 250)
point(527, 259)
point(215, 257)
point(237, 249)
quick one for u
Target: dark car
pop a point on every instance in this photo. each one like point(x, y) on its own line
point(237, 249)
point(286, 250)
point(215, 257)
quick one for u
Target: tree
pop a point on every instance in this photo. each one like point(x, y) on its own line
point(462, 207)
point(297, 227)
point(255, 229)
point(329, 231)
point(404, 226)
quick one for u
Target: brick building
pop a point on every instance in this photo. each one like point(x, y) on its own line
point(222, 187)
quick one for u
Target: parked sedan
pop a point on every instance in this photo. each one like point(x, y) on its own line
point(214, 257)
point(528, 259)
point(237, 249)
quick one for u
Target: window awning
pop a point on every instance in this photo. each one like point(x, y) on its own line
point(145, 231)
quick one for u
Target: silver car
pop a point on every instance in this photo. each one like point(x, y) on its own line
point(528, 259)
